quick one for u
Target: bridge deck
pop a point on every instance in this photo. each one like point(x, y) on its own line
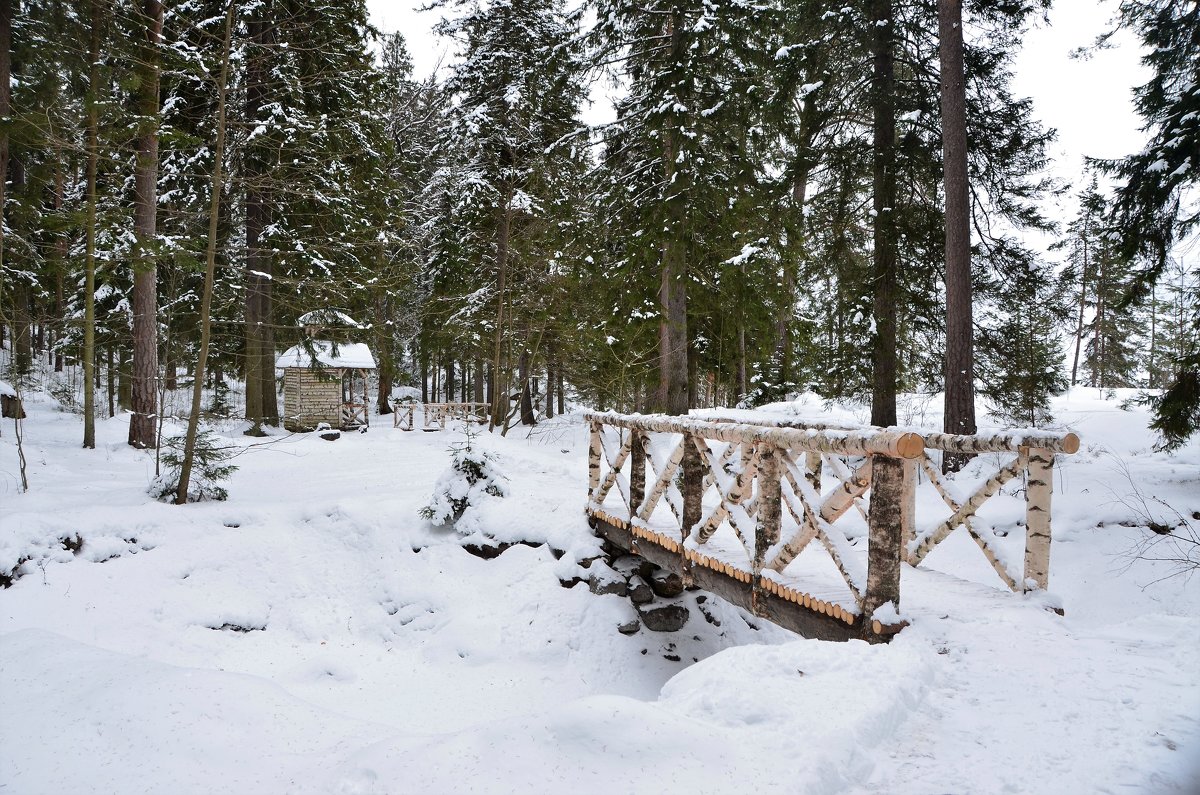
point(806, 614)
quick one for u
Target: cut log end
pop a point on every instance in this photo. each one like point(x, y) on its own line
point(910, 445)
point(1070, 443)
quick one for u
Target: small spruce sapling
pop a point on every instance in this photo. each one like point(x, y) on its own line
point(211, 468)
point(471, 479)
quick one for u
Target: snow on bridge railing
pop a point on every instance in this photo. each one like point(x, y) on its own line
point(744, 497)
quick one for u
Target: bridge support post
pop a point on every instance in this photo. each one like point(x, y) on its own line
point(594, 454)
point(637, 471)
point(887, 533)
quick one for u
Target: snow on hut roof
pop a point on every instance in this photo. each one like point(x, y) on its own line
point(7, 390)
point(349, 354)
point(327, 317)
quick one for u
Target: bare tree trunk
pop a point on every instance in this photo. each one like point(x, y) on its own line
point(424, 378)
point(112, 383)
point(266, 359)
point(257, 218)
point(1083, 277)
point(549, 381)
point(674, 340)
point(561, 392)
point(527, 416)
point(383, 348)
point(883, 398)
point(124, 379)
point(5, 110)
point(1152, 361)
point(22, 322)
point(1101, 355)
point(499, 390)
point(62, 251)
point(959, 413)
point(477, 382)
point(144, 392)
point(214, 207)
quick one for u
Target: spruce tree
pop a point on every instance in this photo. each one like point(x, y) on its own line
point(1152, 210)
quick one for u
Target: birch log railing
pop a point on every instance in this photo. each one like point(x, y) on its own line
point(402, 414)
point(439, 413)
point(731, 506)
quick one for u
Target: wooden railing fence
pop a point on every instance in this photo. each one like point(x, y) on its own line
point(437, 414)
point(744, 500)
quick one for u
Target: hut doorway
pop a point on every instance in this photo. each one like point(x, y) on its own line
point(354, 398)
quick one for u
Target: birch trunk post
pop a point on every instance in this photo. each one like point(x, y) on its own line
point(214, 207)
point(637, 472)
point(594, 454)
point(770, 503)
point(886, 532)
point(908, 500)
point(1037, 518)
point(693, 483)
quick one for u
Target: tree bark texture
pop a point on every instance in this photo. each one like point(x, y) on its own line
point(527, 415)
point(1083, 284)
point(5, 106)
point(259, 381)
point(959, 413)
point(883, 396)
point(549, 378)
point(886, 530)
point(144, 392)
point(499, 398)
point(673, 339)
point(383, 349)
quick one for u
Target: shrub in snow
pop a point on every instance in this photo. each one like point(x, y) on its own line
point(471, 480)
point(209, 468)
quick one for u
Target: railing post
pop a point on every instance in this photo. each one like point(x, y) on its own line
point(594, 451)
point(693, 484)
point(908, 501)
point(637, 472)
point(886, 529)
point(812, 467)
point(1037, 518)
point(766, 532)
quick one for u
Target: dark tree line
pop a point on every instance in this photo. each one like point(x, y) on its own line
point(799, 195)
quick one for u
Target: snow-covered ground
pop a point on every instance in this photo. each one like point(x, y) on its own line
point(313, 634)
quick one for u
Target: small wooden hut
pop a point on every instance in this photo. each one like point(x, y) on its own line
point(326, 380)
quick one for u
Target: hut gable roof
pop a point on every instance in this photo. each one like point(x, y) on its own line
point(349, 354)
point(333, 318)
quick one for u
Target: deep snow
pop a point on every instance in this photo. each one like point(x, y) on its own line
point(312, 634)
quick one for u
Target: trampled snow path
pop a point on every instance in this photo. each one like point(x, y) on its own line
point(380, 657)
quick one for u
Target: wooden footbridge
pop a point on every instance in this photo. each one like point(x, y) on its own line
point(731, 505)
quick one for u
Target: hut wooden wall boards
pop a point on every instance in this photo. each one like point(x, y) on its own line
point(325, 381)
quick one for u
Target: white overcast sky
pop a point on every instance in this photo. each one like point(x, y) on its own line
point(1087, 101)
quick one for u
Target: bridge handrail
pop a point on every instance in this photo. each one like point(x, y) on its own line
point(772, 466)
point(898, 444)
point(995, 441)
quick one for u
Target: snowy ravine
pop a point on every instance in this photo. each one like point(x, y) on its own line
point(314, 635)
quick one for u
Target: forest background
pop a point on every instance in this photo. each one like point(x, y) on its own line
point(768, 208)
